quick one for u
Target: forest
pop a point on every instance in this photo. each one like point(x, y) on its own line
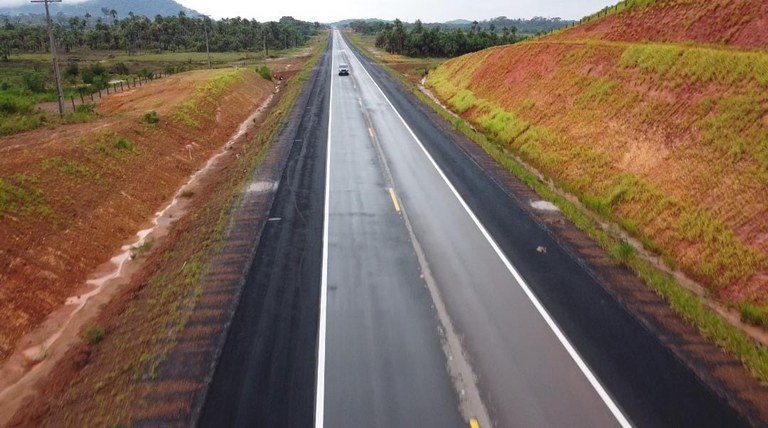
point(453, 38)
point(134, 34)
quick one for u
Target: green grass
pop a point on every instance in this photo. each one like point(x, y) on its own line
point(698, 64)
point(71, 168)
point(754, 314)
point(737, 128)
point(94, 334)
point(20, 195)
point(265, 72)
point(151, 117)
point(190, 112)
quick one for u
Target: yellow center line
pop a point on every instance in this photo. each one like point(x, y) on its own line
point(473, 423)
point(394, 199)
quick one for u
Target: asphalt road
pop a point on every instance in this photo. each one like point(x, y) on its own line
point(391, 242)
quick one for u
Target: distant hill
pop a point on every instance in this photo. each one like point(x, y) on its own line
point(149, 8)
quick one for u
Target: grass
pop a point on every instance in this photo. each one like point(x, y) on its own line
point(20, 195)
point(190, 111)
point(265, 73)
point(70, 167)
point(151, 117)
point(698, 64)
point(94, 334)
point(737, 128)
point(142, 249)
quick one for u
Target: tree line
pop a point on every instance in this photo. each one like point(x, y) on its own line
point(135, 33)
point(451, 39)
point(417, 40)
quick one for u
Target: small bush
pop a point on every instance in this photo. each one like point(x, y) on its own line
point(121, 68)
point(72, 70)
point(265, 72)
point(85, 108)
point(87, 76)
point(34, 81)
point(187, 194)
point(98, 70)
point(151, 117)
point(124, 145)
point(14, 105)
point(753, 314)
point(94, 334)
point(623, 251)
point(145, 73)
point(5, 86)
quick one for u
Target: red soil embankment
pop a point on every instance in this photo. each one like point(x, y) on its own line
point(72, 195)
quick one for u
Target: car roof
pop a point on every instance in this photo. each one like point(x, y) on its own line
point(343, 66)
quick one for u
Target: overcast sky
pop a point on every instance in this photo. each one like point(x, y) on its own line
point(406, 10)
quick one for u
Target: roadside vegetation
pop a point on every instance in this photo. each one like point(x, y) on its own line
point(98, 53)
point(666, 140)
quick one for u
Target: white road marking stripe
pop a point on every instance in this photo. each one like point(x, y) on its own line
point(617, 413)
point(320, 392)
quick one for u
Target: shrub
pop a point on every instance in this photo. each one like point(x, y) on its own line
point(146, 73)
point(151, 117)
point(34, 81)
point(124, 145)
point(98, 70)
point(87, 76)
point(14, 105)
point(265, 72)
point(5, 86)
point(121, 68)
point(85, 108)
point(73, 69)
point(94, 334)
point(752, 314)
point(623, 251)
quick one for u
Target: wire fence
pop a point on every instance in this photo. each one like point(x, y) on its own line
point(90, 97)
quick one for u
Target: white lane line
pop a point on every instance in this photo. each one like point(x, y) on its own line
point(617, 413)
point(320, 393)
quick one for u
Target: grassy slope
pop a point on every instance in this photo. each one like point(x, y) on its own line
point(670, 140)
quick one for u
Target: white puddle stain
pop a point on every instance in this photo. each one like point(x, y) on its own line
point(544, 206)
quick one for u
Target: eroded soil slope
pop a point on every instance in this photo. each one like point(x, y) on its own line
point(668, 139)
point(71, 196)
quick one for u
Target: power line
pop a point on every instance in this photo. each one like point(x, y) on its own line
point(52, 41)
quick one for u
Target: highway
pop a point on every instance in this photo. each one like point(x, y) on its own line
point(513, 347)
point(401, 286)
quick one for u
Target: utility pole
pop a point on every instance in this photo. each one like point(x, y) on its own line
point(207, 47)
point(53, 52)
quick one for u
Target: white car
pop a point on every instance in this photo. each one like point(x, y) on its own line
point(343, 70)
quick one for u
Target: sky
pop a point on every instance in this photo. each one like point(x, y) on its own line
point(406, 10)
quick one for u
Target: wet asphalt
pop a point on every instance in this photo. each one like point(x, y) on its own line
point(382, 347)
